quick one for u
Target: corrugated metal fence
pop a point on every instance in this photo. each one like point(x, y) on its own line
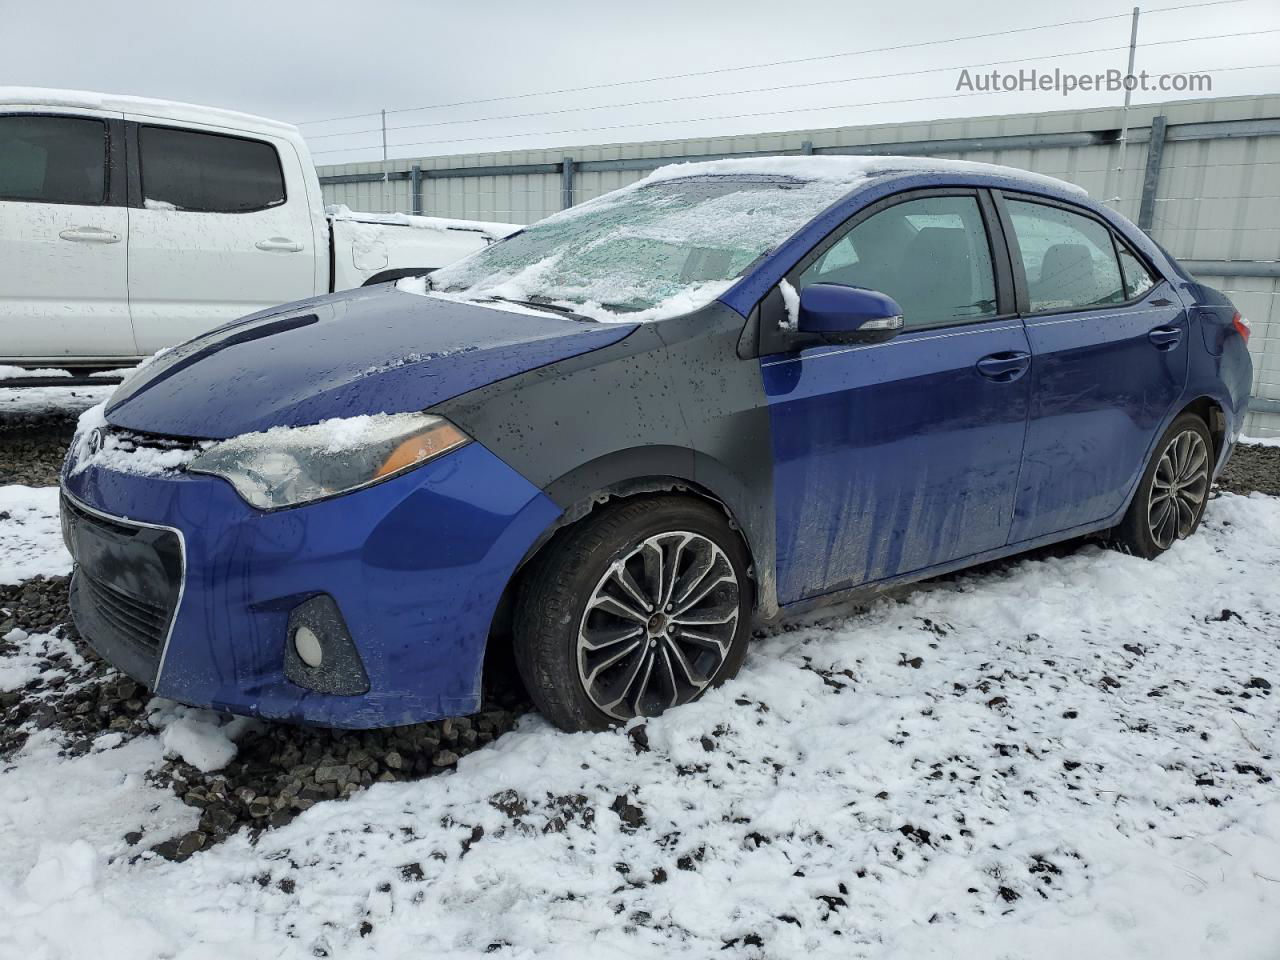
point(1202, 177)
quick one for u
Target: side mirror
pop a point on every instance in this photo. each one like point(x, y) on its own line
point(842, 314)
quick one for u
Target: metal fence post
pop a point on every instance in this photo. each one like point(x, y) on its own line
point(1155, 152)
point(566, 183)
point(415, 189)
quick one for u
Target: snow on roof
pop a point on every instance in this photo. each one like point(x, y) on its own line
point(851, 170)
point(492, 229)
point(144, 106)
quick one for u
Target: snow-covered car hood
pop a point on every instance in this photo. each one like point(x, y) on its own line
point(366, 351)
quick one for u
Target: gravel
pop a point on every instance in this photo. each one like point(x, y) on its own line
point(32, 446)
point(1253, 467)
point(278, 770)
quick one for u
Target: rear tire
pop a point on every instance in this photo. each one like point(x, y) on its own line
point(642, 606)
point(1173, 491)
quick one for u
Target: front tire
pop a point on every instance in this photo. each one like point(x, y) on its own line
point(1173, 491)
point(641, 607)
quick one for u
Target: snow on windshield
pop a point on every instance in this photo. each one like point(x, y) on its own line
point(641, 253)
point(677, 239)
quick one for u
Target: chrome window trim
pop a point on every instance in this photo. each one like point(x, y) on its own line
point(901, 339)
point(182, 557)
point(1049, 319)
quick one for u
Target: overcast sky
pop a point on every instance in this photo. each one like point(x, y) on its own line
point(303, 61)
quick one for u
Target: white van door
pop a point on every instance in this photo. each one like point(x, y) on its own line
point(223, 229)
point(63, 237)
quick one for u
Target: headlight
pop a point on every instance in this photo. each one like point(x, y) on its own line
point(285, 466)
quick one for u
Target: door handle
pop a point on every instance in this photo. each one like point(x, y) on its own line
point(1004, 367)
point(279, 243)
point(1165, 338)
point(89, 235)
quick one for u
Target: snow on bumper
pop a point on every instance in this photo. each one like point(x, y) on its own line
point(416, 565)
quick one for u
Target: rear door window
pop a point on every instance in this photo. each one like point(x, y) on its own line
point(53, 159)
point(208, 173)
point(1069, 259)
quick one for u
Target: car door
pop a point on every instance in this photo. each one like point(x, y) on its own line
point(900, 456)
point(220, 228)
point(63, 237)
point(1109, 348)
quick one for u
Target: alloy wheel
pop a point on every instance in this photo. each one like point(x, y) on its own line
point(658, 625)
point(1178, 488)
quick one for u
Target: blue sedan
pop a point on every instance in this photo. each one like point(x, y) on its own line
point(619, 439)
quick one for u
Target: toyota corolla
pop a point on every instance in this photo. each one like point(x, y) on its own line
point(621, 438)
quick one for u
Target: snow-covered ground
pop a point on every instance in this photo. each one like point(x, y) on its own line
point(51, 399)
point(30, 534)
point(1057, 757)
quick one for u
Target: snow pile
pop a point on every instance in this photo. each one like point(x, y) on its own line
point(58, 895)
point(790, 300)
point(150, 204)
point(419, 286)
point(1262, 441)
point(335, 435)
point(38, 400)
point(849, 170)
point(28, 656)
point(30, 534)
point(146, 106)
point(19, 373)
point(201, 743)
point(62, 823)
point(120, 453)
point(491, 230)
point(200, 737)
point(1070, 754)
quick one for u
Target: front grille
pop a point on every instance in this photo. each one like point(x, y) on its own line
point(145, 623)
point(131, 440)
point(125, 588)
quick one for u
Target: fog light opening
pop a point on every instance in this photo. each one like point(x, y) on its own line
point(308, 646)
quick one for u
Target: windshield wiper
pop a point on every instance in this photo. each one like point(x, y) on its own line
point(540, 305)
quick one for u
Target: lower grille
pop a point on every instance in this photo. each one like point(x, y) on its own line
point(146, 622)
point(125, 588)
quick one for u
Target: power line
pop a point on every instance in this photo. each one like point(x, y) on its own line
point(707, 96)
point(776, 63)
point(652, 123)
point(773, 89)
point(741, 116)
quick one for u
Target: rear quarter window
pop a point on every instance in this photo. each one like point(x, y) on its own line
point(1137, 278)
point(208, 173)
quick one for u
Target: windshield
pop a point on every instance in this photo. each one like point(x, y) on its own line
point(655, 250)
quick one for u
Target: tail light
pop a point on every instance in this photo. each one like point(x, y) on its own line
point(1242, 326)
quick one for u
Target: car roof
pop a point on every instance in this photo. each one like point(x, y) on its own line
point(144, 106)
point(860, 171)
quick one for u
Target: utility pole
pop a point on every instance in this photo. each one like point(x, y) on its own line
point(385, 178)
point(1128, 95)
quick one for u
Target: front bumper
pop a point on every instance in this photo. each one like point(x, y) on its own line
point(416, 565)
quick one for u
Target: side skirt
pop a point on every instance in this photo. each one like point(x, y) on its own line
point(865, 592)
